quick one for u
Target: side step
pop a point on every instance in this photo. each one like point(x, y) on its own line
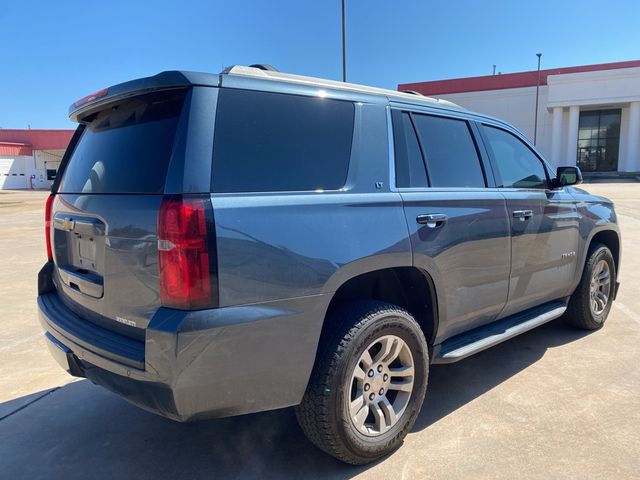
point(474, 341)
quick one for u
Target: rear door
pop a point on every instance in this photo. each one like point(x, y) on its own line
point(458, 224)
point(544, 223)
point(105, 211)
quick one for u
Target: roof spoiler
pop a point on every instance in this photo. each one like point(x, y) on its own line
point(162, 81)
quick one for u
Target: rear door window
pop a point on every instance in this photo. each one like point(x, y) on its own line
point(267, 142)
point(126, 147)
point(450, 152)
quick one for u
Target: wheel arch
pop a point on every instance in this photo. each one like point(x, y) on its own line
point(607, 235)
point(407, 287)
point(611, 239)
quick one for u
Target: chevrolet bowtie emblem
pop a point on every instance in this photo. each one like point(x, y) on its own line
point(67, 224)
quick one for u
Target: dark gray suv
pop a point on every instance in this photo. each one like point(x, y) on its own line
point(232, 243)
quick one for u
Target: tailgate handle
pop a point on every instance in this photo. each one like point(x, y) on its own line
point(84, 283)
point(82, 225)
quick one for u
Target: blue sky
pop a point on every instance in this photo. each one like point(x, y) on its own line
point(54, 52)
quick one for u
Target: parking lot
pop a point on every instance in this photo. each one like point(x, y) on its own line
point(552, 403)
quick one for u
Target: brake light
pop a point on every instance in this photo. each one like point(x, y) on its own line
point(91, 97)
point(47, 225)
point(183, 253)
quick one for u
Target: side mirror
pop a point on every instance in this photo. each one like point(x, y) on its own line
point(568, 176)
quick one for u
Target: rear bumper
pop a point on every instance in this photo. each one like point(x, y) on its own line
point(195, 364)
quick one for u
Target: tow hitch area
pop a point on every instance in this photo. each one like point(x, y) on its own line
point(65, 357)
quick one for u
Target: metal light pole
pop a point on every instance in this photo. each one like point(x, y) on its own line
point(535, 122)
point(344, 42)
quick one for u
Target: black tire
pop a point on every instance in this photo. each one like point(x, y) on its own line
point(580, 313)
point(323, 414)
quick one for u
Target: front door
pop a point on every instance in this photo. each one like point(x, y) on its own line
point(599, 140)
point(458, 227)
point(544, 223)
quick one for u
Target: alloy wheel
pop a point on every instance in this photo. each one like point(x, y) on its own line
point(600, 287)
point(381, 385)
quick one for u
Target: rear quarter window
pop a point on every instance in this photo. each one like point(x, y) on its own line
point(126, 147)
point(267, 142)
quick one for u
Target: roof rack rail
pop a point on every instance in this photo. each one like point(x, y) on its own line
point(259, 66)
point(412, 92)
point(264, 66)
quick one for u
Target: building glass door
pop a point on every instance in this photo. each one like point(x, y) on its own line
point(599, 140)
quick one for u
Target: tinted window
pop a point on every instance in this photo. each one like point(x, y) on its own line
point(125, 148)
point(410, 171)
point(275, 142)
point(451, 155)
point(517, 165)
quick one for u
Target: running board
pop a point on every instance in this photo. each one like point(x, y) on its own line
point(474, 341)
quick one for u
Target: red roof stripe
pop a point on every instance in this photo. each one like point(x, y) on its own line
point(506, 80)
point(37, 139)
point(14, 149)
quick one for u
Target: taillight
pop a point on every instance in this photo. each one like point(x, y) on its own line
point(183, 253)
point(47, 225)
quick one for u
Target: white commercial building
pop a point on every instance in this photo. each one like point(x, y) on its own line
point(31, 158)
point(587, 115)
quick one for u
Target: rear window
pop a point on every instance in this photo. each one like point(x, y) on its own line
point(126, 148)
point(267, 142)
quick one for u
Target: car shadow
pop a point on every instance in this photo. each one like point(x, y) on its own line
point(81, 429)
point(454, 385)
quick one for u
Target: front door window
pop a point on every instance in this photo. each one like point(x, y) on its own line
point(599, 140)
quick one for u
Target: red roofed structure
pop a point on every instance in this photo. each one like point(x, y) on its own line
point(37, 139)
point(587, 115)
point(30, 158)
point(15, 148)
point(506, 80)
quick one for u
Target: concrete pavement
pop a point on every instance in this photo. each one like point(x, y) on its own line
point(552, 403)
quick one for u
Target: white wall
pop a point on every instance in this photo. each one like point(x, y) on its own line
point(604, 87)
point(46, 159)
point(13, 172)
point(16, 171)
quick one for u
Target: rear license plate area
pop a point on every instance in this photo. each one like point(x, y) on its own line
point(86, 252)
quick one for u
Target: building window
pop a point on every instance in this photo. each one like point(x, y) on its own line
point(599, 140)
point(51, 173)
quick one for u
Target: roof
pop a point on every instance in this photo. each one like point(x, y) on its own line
point(242, 71)
point(179, 79)
point(15, 142)
point(507, 80)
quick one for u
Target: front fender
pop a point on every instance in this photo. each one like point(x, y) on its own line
point(597, 215)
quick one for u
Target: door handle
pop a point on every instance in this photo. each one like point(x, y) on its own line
point(523, 214)
point(432, 220)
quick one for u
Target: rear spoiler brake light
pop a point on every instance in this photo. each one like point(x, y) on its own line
point(90, 98)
